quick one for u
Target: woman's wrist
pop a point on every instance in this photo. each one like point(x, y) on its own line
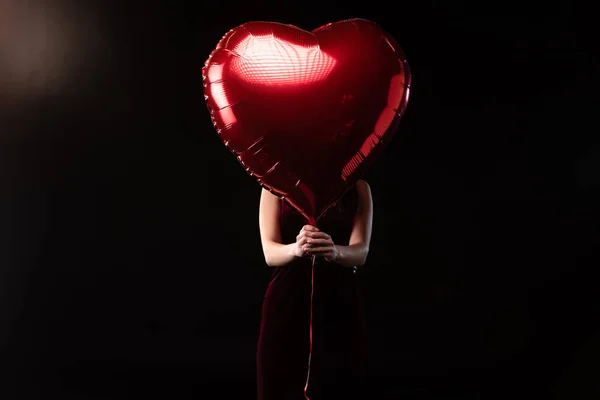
point(293, 250)
point(336, 254)
point(350, 256)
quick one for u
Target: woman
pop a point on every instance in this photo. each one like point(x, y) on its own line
point(341, 243)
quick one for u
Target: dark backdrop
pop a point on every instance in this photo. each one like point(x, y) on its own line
point(131, 260)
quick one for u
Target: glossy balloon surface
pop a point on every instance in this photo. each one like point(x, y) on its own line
point(306, 113)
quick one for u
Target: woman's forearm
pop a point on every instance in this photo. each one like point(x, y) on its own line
point(351, 256)
point(277, 254)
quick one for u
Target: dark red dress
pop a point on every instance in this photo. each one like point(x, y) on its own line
point(339, 332)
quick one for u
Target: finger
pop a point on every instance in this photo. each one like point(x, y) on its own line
point(310, 228)
point(307, 249)
point(319, 235)
point(303, 237)
point(319, 250)
point(317, 246)
point(317, 253)
point(306, 233)
point(318, 242)
point(300, 236)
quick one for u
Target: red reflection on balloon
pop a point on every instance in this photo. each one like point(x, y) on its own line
point(397, 89)
point(219, 97)
point(267, 60)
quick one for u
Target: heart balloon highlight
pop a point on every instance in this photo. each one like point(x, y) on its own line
point(306, 113)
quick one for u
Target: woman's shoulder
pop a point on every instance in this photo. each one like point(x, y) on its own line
point(357, 191)
point(363, 193)
point(362, 186)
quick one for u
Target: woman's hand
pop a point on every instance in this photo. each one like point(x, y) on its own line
point(299, 249)
point(318, 243)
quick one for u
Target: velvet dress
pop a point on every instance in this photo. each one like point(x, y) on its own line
point(337, 363)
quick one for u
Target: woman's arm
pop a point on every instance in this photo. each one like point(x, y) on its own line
point(355, 254)
point(276, 253)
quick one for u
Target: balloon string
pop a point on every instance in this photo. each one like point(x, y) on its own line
point(310, 325)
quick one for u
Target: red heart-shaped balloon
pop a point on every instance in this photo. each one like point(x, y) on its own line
point(305, 112)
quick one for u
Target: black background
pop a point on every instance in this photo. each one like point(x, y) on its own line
point(131, 259)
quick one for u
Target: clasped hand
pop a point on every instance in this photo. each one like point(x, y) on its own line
point(312, 241)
